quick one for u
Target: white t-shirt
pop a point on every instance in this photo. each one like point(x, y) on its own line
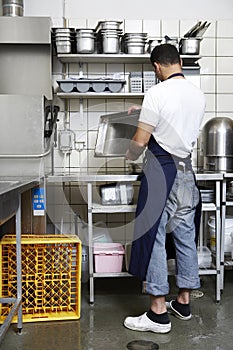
point(175, 108)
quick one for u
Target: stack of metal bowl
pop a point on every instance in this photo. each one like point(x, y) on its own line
point(134, 43)
point(85, 40)
point(108, 37)
point(64, 39)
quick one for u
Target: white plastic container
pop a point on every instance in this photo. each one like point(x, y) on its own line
point(204, 257)
point(108, 257)
point(227, 234)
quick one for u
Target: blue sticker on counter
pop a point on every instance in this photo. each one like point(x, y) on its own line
point(38, 201)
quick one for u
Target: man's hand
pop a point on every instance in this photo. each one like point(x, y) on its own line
point(139, 141)
point(134, 151)
point(134, 108)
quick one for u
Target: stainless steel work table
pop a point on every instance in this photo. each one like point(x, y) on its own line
point(10, 200)
point(91, 179)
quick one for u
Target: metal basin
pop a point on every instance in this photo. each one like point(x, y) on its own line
point(114, 134)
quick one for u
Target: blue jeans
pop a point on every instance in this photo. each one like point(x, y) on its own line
point(178, 219)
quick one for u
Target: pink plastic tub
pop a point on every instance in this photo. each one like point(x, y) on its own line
point(108, 257)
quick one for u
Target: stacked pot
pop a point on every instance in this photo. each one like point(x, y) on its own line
point(64, 39)
point(134, 43)
point(108, 37)
point(85, 40)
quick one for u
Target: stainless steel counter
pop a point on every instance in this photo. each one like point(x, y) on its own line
point(10, 204)
point(89, 177)
point(10, 189)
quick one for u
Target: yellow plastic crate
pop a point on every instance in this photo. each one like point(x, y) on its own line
point(51, 277)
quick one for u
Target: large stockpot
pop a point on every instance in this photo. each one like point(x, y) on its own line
point(217, 137)
point(12, 8)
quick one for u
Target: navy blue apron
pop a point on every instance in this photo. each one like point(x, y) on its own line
point(159, 172)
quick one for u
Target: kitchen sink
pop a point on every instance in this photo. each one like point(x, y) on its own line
point(114, 133)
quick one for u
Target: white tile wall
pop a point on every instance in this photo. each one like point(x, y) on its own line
point(152, 27)
point(216, 72)
point(224, 47)
point(224, 65)
point(52, 8)
point(170, 28)
point(224, 84)
point(216, 80)
point(225, 29)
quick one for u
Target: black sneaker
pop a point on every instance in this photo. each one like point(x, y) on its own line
point(182, 316)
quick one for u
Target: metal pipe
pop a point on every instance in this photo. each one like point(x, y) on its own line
point(29, 156)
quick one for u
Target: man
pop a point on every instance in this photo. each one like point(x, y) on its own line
point(168, 126)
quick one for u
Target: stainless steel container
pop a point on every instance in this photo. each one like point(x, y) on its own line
point(85, 40)
point(189, 46)
point(115, 133)
point(218, 144)
point(12, 8)
point(134, 43)
point(63, 39)
point(109, 25)
point(110, 43)
point(135, 48)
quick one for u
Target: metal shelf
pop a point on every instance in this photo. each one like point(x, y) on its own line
point(99, 208)
point(111, 274)
point(114, 58)
point(89, 95)
point(208, 207)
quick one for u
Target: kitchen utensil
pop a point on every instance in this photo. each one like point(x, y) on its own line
point(189, 46)
point(197, 30)
point(193, 29)
point(202, 30)
point(114, 133)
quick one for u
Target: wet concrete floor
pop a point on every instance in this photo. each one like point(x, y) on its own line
point(101, 325)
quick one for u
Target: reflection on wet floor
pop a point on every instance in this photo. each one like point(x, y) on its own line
point(142, 345)
point(101, 325)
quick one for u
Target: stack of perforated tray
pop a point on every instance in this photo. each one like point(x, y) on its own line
point(94, 85)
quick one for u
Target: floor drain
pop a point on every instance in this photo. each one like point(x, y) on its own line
point(196, 294)
point(142, 345)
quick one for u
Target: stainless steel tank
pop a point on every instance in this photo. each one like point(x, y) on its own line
point(217, 137)
point(12, 8)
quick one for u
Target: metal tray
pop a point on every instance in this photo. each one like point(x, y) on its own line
point(114, 133)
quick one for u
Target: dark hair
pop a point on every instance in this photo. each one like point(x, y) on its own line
point(165, 54)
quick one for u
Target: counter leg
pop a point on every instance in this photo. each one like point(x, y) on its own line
point(90, 241)
point(218, 242)
point(19, 264)
point(223, 216)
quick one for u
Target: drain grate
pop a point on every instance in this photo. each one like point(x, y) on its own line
point(142, 345)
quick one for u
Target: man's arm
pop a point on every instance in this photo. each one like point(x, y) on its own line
point(139, 141)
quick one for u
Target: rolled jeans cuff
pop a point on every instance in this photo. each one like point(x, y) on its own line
point(153, 289)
